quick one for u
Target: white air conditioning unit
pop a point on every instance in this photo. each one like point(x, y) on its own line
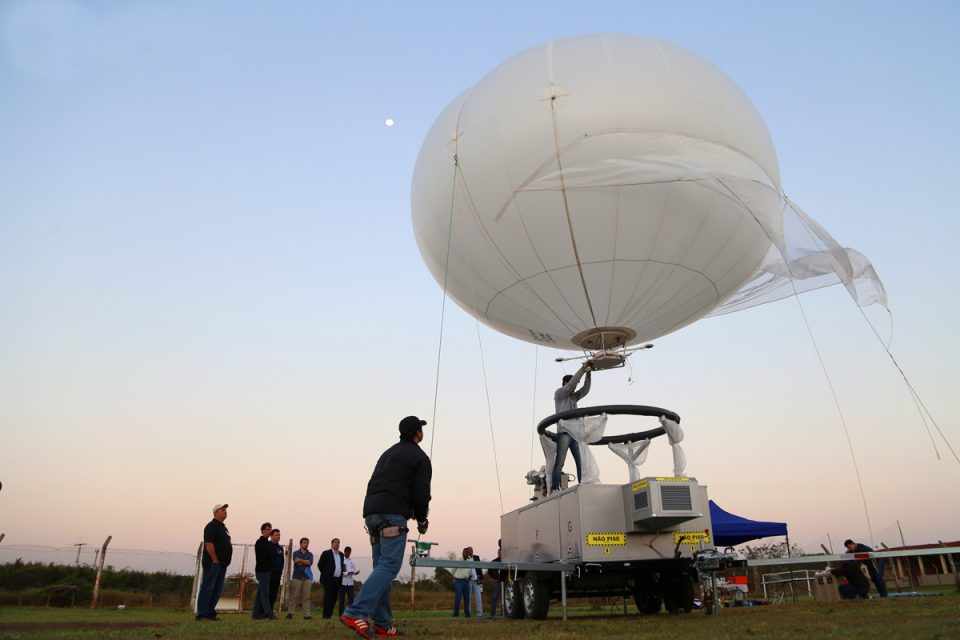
point(654, 504)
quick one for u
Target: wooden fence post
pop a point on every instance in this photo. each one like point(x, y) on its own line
point(96, 582)
point(285, 575)
point(195, 587)
point(241, 598)
point(413, 579)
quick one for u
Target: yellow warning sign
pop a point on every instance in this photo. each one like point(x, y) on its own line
point(692, 538)
point(607, 539)
point(640, 485)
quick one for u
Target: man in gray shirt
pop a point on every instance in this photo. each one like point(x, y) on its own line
point(301, 580)
point(565, 398)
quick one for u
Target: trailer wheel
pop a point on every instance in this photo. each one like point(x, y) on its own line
point(648, 603)
point(513, 599)
point(678, 593)
point(536, 597)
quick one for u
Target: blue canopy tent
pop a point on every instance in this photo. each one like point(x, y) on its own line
point(730, 529)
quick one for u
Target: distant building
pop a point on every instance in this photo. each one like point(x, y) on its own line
point(925, 570)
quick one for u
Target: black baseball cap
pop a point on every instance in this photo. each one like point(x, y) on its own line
point(410, 425)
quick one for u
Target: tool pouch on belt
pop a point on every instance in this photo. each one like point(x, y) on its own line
point(394, 531)
point(378, 527)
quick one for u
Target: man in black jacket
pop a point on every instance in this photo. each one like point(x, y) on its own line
point(331, 565)
point(264, 552)
point(399, 489)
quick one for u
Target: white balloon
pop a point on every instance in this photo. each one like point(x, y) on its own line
point(600, 181)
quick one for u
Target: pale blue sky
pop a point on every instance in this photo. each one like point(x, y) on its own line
point(206, 258)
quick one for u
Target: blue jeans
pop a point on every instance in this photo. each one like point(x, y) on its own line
point(461, 591)
point(261, 606)
point(210, 589)
point(876, 575)
point(495, 598)
point(564, 441)
point(373, 601)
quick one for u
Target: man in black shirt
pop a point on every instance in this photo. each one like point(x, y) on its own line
point(276, 571)
point(263, 549)
point(500, 576)
point(399, 489)
point(217, 552)
point(876, 573)
point(857, 586)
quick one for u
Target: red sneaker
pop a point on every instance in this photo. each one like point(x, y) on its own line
point(383, 632)
point(358, 625)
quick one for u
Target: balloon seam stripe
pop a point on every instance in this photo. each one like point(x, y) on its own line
point(508, 264)
point(566, 209)
point(543, 265)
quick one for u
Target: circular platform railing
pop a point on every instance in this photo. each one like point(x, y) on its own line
point(613, 410)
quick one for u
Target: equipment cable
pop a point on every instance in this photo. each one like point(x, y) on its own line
point(493, 441)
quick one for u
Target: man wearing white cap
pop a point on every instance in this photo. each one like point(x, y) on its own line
point(217, 552)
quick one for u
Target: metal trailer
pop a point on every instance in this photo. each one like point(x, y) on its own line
point(640, 539)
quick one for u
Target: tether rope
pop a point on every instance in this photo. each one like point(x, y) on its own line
point(836, 402)
point(493, 441)
point(816, 348)
point(918, 401)
point(443, 305)
point(533, 408)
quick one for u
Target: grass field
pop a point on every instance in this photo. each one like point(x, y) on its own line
point(921, 618)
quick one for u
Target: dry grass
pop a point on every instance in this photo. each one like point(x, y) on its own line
point(930, 618)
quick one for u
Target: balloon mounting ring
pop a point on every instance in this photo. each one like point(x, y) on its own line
point(606, 347)
point(604, 339)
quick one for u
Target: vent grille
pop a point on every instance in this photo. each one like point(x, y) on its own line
point(676, 498)
point(641, 500)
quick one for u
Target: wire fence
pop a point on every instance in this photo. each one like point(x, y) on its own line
point(176, 562)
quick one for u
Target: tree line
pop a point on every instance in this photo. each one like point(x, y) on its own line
point(40, 578)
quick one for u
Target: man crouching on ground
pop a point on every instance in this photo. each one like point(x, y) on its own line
point(399, 489)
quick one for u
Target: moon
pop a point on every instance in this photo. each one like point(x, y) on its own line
point(389, 122)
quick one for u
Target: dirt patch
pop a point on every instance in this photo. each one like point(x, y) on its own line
point(78, 626)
